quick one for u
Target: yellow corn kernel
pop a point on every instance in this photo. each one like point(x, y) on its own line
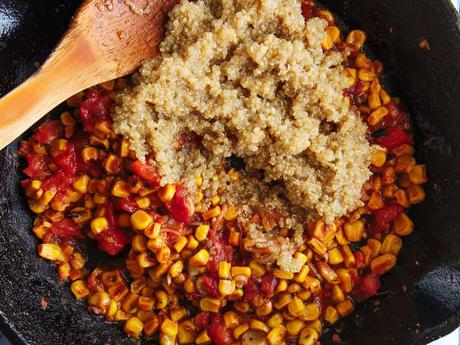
point(180, 244)
point(378, 158)
point(211, 213)
point(278, 273)
point(317, 325)
point(384, 97)
point(77, 261)
point(311, 312)
point(185, 335)
point(169, 328)
point(377, 115)
point(354, 230)
point(201, 232)
point(203, 339)
point(308, 336)
point(162, 299)
point(224, 270)
point(331, 315)
point(176, 269)
point(362, 61)
point(345, 278)
point(163, 255)
point(231, 319)
point(81, 184)
point(50, 251)
point(313, 284)
point(67, 119)
point(140, 220)
point(415, 193)
point(64, 271)
point(348, 256)
point(226, 287)
point(145, 303)
point(241, 270)
point(79, 289)
point(166, 193)
point(294, 327)
point(238, 331)
point(392, 244)
point(192, 242)
point(155, 244)
point(215, 200)
point(403, 225)
point(304, 295)
point(99, 199)
point(365, 74)
point(335, 256)
point(98, 225)
point(199, 259)
point(294, 288)
point(337, 294)
point(405, 163)
point(375, 202)
point(230, 213)
point(151, 326)
point(375, 246)
point(139, 243)
point(199, 196)
point(276, 335)
point(275, 320)
point(334, 33)
point(178, 314)
point(417, 174)
point(210, 304)
point(383, 263)
point(356, 38)
point(258, 325)
point(166, 340)
point(111, 310)
point(345, 308)
point(282, 286)
point(317, 246)
point(401, 198)
point(143, 202)
point(327, 43)
point(89, 153)
point(40, 230)
point(283, 300)
point(133, 327)
point(257, 268)
point(296, 306)
point(241, 306)
point(265, 309)
point(124, 148)
point(374, 100)
point(100, 300)
point(300, 277)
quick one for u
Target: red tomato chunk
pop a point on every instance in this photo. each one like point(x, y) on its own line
point(385, 215)
point(217, 331)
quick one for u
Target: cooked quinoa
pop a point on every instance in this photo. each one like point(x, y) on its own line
point(250, 79)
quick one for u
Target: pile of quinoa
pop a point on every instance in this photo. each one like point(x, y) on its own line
point(249, 78)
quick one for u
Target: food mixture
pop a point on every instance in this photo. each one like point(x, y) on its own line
point(254, 178)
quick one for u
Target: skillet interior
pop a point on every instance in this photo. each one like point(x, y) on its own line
point(429, 264)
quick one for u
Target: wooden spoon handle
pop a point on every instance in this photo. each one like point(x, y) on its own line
point(59, 78)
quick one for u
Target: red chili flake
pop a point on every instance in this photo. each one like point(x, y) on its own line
point(60, 181)
point(147, 173)
point(37, 167)
point(219, 334)
point(368, 285)
point(385, 215)
point(395, 137)
point(67, 228)
point(94, 108)
point(47, 132)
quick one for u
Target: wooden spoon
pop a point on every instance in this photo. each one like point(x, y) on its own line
point(107, 39)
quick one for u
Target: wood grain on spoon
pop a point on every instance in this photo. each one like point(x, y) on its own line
point(106, 40)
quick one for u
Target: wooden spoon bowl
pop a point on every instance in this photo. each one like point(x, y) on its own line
point(105, 40)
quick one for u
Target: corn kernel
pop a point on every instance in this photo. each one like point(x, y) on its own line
point(210, 304)
point(99, 225)
point(258, 325)
point(296, 307)
point(201, 232)
point(178, 314)
point(257, 268)
point(337, 294)
point(224, 270)
point(416, 194)
point(391, 244)
point(169, 328)
point(356, 38)
point(211, 213)
point(199, 259)
point(180, 244)
point(203, 339)
point(133, 327)
point(417, 174)
point(192, 242)
point(283, 300)
point(345, 278)
point(283, 274)
point(300, 277)
point(185, 334)
point(308, 336)
point(384, 97)
point(294, 327)
point(335, 256)
point(378, 158)
point(383, 263)
point(167, 192)
point(331, 315)
point(317, 246)
point(230, 213)
point(275, 320)
point(238, 331)
point(226, 287)
point(354, 230)
point(79, 289)
point(163, 255)
point(282, 286)
point(345, 308)
point(241, 270)
point(403, 225)
point(141, 220)
point(231, 319)
point(50, 251)
point(276, 335)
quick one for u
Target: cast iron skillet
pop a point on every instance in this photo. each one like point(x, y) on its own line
point(429, 265)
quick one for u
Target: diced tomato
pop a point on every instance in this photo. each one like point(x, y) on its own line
point(127, 205)
point(67, 159)
point(60, 181)
point(251, 289)
point(25, 147)
point(112, 241)
point(25, 183)
point(385, 215)
point(395, 136)
point(37, 167)
point(47, 132)
point(359, 258)
point(67, 228)
point(147, 173)
point(220, 250)
point(179, 207)
point(268, 284)
point(202, 319)
point(307, 10)
point(209, 285)
point(94, 108)
point(172, 231)
point(219, 334)
point(80, 140)
point(368, 285)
